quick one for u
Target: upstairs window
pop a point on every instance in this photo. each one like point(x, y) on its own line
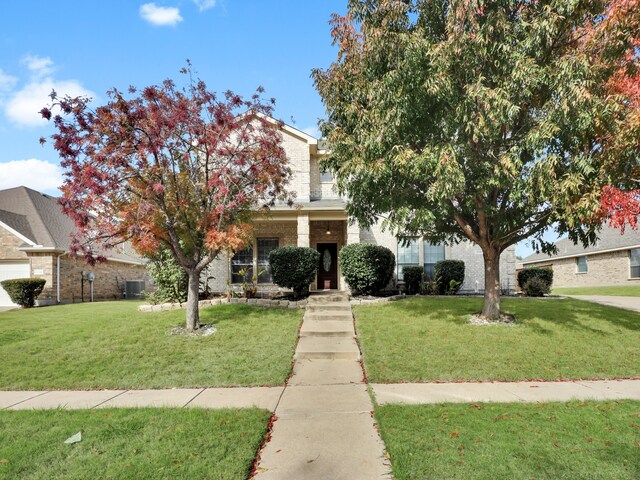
point(326, 176)
point(265, 245)
point(433, 253)
point(408, 254)
point(583, 265)
point(634, 256)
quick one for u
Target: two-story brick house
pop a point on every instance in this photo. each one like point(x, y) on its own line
point(319, 220)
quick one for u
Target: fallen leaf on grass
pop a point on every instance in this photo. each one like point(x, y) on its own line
point(4, 460)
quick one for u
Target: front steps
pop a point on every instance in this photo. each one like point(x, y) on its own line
point(327, 331)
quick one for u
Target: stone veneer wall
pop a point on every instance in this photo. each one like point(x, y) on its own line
point(9, 244)
point(604, 269)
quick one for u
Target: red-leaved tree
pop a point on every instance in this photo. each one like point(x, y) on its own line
point(174, 167)
point(620, 200)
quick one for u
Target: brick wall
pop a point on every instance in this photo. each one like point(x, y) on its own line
point(604, 269)
point(110, 278)
point(468, 252)
point(297, 151)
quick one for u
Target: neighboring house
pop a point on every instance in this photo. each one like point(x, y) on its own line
point(34, 242)
point(319, 220)
point(614, 260)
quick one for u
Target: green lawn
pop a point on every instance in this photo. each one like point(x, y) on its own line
point(130, 443)
point(112, 345)
point(428, 339)
point(623, 291)
point(577, 440)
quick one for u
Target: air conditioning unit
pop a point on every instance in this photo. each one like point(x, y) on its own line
point(133, 289)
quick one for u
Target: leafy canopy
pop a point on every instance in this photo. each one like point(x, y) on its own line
point(481, 120)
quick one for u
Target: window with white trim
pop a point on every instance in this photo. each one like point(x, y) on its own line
point(634, 257)
point(408, 255)
point(326, 176)
point(254, 258)
point(433, 253)
point(265, 245)
point(582, 264)
point(242, 265)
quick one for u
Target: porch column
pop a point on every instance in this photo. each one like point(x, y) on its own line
point(303, 230)
point(353, 233)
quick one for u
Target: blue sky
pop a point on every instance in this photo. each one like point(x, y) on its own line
point(88, 47)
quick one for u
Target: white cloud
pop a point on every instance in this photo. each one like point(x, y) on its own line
point(313, 131)
point(33, 173)
point(7, 82)
point(23, 106)
point(205, 4)
point(39, 66)
point(160, 16)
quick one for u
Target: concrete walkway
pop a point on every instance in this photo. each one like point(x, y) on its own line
point(324, 428)
point(629, 303)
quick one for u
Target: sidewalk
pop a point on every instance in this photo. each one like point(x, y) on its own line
point(415, 393)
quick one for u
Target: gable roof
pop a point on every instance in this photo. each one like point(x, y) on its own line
point(37, 218)
point(609, 239)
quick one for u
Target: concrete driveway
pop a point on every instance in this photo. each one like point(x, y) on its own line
point(629, 303)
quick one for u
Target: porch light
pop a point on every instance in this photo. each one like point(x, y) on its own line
point(328, 232)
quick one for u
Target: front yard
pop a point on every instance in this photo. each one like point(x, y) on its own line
point(622, 291)
point(130, 443)
point(576, 440)
point(112, 345)
point(428, 339)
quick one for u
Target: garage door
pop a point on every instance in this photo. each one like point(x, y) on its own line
point(7, 272)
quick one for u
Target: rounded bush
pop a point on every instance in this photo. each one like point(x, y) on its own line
point(24, 291)
point(545, 274)
point(536, 287)
point(449, 275)
point(366, 268)
point(294, 267)
point(413, 276)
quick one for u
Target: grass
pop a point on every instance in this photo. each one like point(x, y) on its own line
point(577, 440)
point(429, 339)
point(130, 443)
point(112, 345)
point(622, 291)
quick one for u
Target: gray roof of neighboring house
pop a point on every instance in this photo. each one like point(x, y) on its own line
point(608, 239)
point(39, 218)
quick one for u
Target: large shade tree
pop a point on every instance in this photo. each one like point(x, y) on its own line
point(169, 167)
point(478, 120)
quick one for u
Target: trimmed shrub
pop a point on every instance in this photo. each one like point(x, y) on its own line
point(294, 267)
point(536, 287)
point(449, 275)
point(367, 268)
point(545, 274)
point(24, 291)
point(171, 280)
point(413, 276)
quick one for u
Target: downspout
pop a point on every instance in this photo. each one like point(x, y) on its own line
point(58, 278)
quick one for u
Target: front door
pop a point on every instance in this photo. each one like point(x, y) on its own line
point(328, 268)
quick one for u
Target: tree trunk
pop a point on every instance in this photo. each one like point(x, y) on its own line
point(193, 312)
point(491, 307)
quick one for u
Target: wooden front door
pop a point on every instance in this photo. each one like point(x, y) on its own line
point(328, 268)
